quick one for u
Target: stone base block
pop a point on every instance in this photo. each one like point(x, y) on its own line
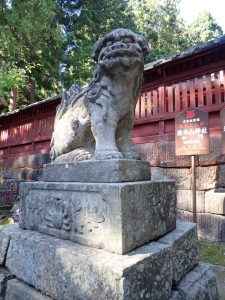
point(18, 290)
point(117, 217)
point(65, 270)
point(199, 284)
point(184, 248)
point(211, 227)
point(112, 170)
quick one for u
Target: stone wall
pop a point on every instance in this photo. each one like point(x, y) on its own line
point(27, 167)
point(210, 172)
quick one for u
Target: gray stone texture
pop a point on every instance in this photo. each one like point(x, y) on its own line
point(96, 122)
point(184, 247)
point(117, 217)
point(64, 270)
point(182, 176)
point(98, 171)
point(5, 276)
point(184, 200)
point(211, 227)
point(215, 201)
point(206, 177)
point(184, 215)
point(199, 284)
point(18, 290)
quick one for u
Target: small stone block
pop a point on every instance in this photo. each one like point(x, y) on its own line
point(112, 170)
point(117, 217)
point(18, 290)
point(184, 248)
point(65, 270)
point(199, 284)
point(215, 201)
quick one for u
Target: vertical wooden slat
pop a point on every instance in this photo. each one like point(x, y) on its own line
point(143, 105)
point(161, 100)
point(155, 103)
point(217, 87)
point(200, 92)
point(184, 95)
point(170, 98)
point(208, 90)
point(137, 116)
point(192, 92)
point(149, 95)
point(177, 97)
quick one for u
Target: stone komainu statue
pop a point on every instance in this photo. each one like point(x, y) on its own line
point(96, 122)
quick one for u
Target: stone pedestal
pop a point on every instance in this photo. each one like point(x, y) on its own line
point(53, 258)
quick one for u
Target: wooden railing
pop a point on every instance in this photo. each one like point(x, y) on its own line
point(200, 91)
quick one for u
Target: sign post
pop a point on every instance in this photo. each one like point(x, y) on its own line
point(222, 117)
point(192, 138)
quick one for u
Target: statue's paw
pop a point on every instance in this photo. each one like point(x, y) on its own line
point(101, 155)
point(131, 155)
point(83, 155)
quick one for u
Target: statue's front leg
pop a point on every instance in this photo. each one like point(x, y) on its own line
point(123, 137)
point(104, 128)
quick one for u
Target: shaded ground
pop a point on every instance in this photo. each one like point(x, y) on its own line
point(214, 253)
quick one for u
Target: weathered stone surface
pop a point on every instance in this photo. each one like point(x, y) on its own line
point(5, 276)
point(4, 244)
point(149, 152)
point(182, 176)
point(117, 217)
point(98, 171)
point(215, 201)
point(206, 177)
point(97, 121)
point(221, 176)
point(18, 290)
point(184, 248)
point(211, 227)
point(199, 284)
point(65, 270)
point(175, 296)
point(215, 156)
point(184, 200)
point(184, 216)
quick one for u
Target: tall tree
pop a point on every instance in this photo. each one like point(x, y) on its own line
point(95, 19)
point(160, 22)
point(31, 42)
point(203, 29)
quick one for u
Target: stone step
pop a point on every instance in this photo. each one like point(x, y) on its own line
point(117, 217)
point(111, 170)
point(64, 270)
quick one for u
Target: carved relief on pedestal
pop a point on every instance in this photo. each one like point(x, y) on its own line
point(88, 215)
point(57, 214)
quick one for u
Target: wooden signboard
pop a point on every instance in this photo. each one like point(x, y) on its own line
point(192, 132)
point(222, 117)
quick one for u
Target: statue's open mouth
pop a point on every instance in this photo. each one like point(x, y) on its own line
point(126, 56)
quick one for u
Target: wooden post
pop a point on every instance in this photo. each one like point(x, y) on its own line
point(193, 173)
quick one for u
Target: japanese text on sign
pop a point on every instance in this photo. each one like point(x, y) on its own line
point(192, 132)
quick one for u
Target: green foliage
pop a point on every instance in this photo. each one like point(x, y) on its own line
point(160, 22)
point(49, 42)
point(203, 29)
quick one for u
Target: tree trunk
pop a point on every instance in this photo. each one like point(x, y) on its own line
point(32, 90)
point(13, 99)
